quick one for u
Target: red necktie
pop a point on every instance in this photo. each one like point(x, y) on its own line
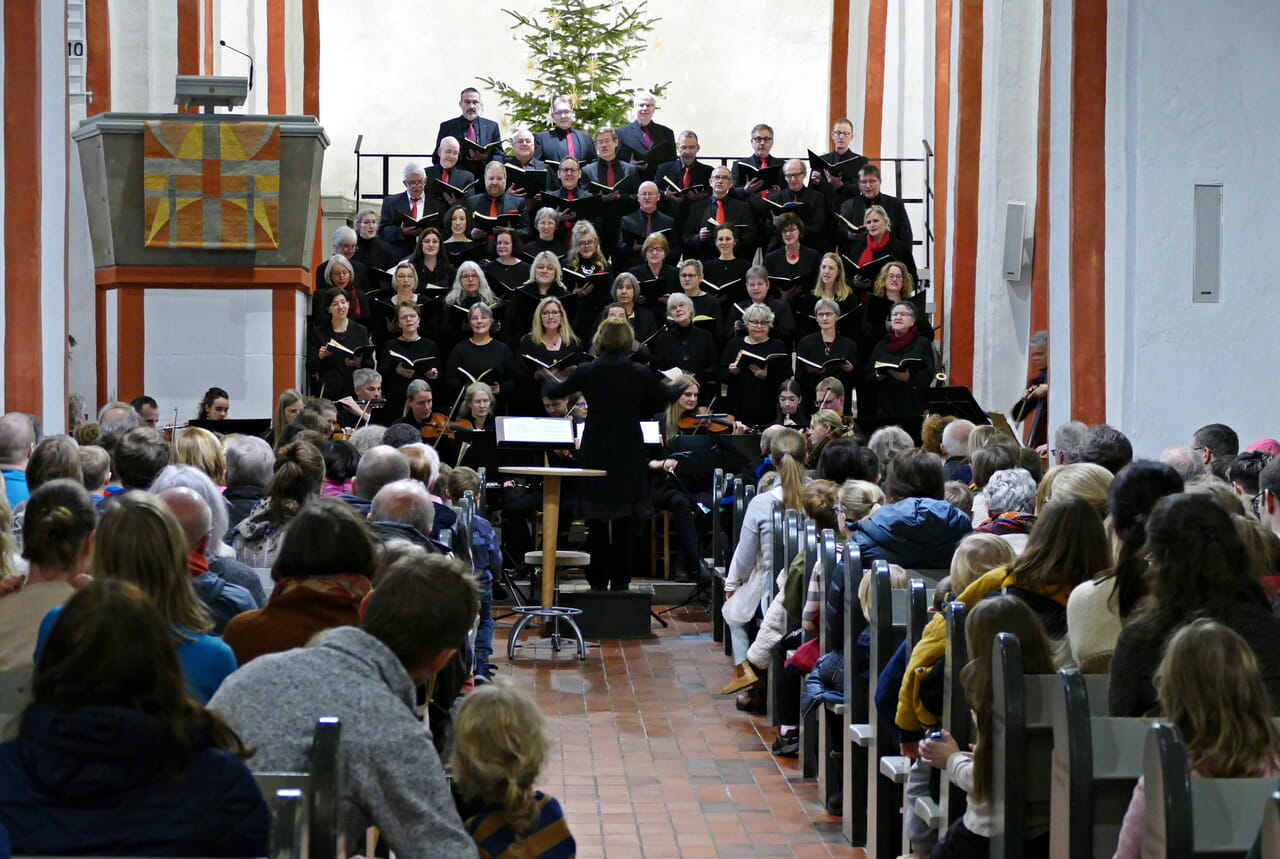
point(608, 174)
point(493, 207)
point(568, 225)
point(413, 208)
point(471, 131)
point(687, 171)
point(569, 141)
point(648, 141)
point(764, 162)
point(720, 211)
point(444, 175)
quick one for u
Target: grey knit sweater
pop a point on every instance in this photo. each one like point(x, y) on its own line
point(394, 779)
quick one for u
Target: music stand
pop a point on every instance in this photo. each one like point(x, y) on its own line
point(956, 400)
point(229, 426)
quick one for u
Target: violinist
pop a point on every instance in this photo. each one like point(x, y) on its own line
point(418, 404)
point(364, 406)
point(477, 406)
point(682, 477)
point(409, 356)
point(288, 406)
point(214, 405)
point(550, 341)
point(752, 366)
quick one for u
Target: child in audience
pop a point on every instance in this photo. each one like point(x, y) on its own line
point(975, 556)
point(1209, 680)
point(486, 562)
point(969, 837)
point(500, 745)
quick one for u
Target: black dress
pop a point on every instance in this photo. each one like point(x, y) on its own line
point(812, 349)
point(653, 288)
point(523, 303)
point(691, 349)
point(491, 363)
point(803, 273)
point(506, 279)
point(902, 400)
point(724, 272)
point(753, 401)
point(527, 400)
point(395, 386)
point(333, 376)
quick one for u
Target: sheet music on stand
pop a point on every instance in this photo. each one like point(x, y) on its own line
point(556, 433)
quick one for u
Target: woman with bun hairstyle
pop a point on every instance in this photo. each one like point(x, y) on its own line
point(298, 478)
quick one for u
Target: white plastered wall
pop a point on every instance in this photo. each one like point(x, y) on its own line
point(54, 143)
point(1059, 240)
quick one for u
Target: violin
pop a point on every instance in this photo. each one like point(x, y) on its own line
point(706, 421)
point(339, 432)
point(439, 426)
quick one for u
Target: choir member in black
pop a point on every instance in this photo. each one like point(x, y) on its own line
point(719, 208)
point(331, 367)
point(836, 188)
point(409, 356)
point(469, 289)
point(345, 244)
point(900, 393)
point(893, 284)
point(784, 323)
point(339, 274)
point(492, 201)
point(523, 154)
point(412, 202)
point(364, 405)
point(761, 156)
point(470, 125)
point(625, 291)
point(877, 242)
point(371, 250)
point(793, 266)
point(825, 352)
point(621, 394)
point(725, 270)
point(683, 344)
point(683, 182)
point(637, 138)
point(545, 226)
point(446, 170)
point(831, 284)
point(545, 281)
point(791, 400)
point(571, 189)
point(656, 278)
point(459, 246)
point(813, 212)
point(610, 171)
point(435, 272)
point(639, 225)
point(639, 351)
point(854, 209)
point(477, 406)
point(549, 341)
point(384, 322)
point(705, 305)
point(507, 271)
point(752, 366)
point(481, 358)
point(563, 140)
point(586, 257)
point(682, 476)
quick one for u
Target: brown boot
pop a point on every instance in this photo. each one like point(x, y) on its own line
point(743, 676)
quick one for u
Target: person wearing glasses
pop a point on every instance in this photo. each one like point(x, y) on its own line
point(901, 368)
point(834, 186)
point(761, 147)
point(413, 202)
point(810, 205)
point(550, 341)
point(637, 138)
point(719, 208)
point(893, 284)
point(680, 180)
point(752, 366)
point(854, 209)
point(563, 140)
point(825, 352)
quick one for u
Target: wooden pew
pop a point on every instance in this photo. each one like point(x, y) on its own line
point(1022, 745)
point(1096, 762)
point(792, 532)
point(1269, 837)
point(857, 707)
point(956, 719)
point(742, 496)
point(808, 727)
point(15, 692)
point(321, 791)
point(718, 561)
point(1188, 817)
point(828, 716)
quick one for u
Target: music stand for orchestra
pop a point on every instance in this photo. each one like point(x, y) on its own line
point(956, 400)
point(235, 426)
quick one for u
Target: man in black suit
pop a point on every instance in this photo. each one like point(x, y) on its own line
point(471, 126)
point(834, 186)
point(446, 170)
point(563, 140)
point(636, 138)
point(493, 201)
point(610, 171)
point(685, 172)
point(522, 156)
point(869, 195)
point(699, 238)
point(637, 226)
point(413, 202)
point(761, 147)
point(814, 214)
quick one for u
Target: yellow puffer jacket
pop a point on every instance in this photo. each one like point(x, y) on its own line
point(912, 716)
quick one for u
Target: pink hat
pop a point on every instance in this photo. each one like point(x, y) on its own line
point(1267, 445)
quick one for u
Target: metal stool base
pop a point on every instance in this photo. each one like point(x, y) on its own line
point(553, 613)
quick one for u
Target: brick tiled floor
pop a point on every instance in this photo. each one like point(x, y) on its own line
point(649, 761)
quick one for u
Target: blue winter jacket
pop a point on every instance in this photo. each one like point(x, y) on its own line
point(105, 781)
point(916, 533)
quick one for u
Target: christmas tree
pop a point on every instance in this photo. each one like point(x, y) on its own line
point(579, 49)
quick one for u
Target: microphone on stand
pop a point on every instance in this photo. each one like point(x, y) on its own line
point(243, 54)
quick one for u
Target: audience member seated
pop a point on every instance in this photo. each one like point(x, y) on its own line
point(917, 528)
point(1197, 567)
point(378, 466)
point(140, 542)
point(95, 470)
point(500, 747)
point(222, 599)
point(1078, 480)
point(888, 442)
point(17, 442)
point(1106, 446)
point(219, 556)
point(1210, 688)
point(1183, 461)
point(402, 510)
point(113, 756)
point(299, 472)
point(58, 544)
point(138, 457)
point(954, 448)
point(486, 563)
point(1215, 442)
point(413, 624)
point(1246, 468)
point(340, 461)
point(1010, 496)
point(249, 467)
point(969, 837)
point(1097, 609)
point(322, 573)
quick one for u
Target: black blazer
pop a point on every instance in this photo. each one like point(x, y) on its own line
point(632, 145)
point(551, 145)
point(855, 208)
point(389, 229)
point(486, 132)
point(625, 177)
point(736, 212)
point(631, 229)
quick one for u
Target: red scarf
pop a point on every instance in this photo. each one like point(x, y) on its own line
point(896, 344)
point(197, 564)
point(343, 587)
point(869, 252)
